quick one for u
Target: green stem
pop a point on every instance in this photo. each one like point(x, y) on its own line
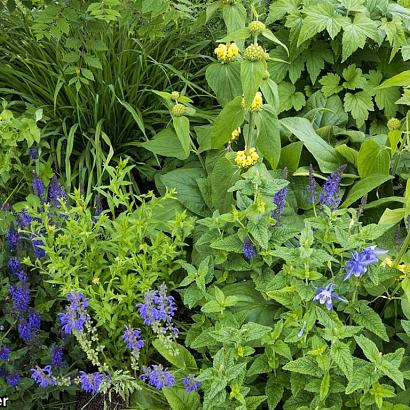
point(403, 250)
point(249, 140)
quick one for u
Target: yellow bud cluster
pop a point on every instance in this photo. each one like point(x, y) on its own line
point(235, 134)
point(227, 53)
point(255, 52)
point(393, 124)
point(256, 27)
point(178, 110)
point(257, 102)
point(246, 158)
point(174, 95)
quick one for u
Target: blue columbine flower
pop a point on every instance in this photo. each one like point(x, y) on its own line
point(29, 328)
point(157, 376)
point(20, 296)
point(311, 187)
point(91, 383)
point(56, 192)
point(13, 379)
point(133, 340)
point(248, 249)
point(279, 199)
point(12, 238)
point(56, 353)
point(76, 314)
point(359, 261)
point(325, 295)
point(157, 306)
point(4, 353)
point(190, 383)
point(38, 187)
point(44, 377)
point(331, 190)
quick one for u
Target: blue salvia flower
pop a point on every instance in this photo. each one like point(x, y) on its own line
point(76, 314)
point(311, 187)
point(26, 218)
point(43, 377)
point(279, 199)
point(157, 306)
point(13, 379)
point(248, 249)
point(37, 244)
point(4, 353)
point(190, 383)
point(91, 383)
point(98, 209)
point(56, 192)
point(133, 340)
point(56, 353)
point(16, 268)
point(29, 328)
point(12, 238)
point(325, 296)
point(157, 376)
point(331, 189)
point(359, 261)
point(38, 187)
point(20, 296)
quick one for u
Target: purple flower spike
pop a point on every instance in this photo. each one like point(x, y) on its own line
point(13, 379)
point(12, 238)
point(91, 383)
point(76, 315)
point(56, 353)
point(56, 192)
point(331, 190)
point(43, 377)
point(190, 383)
point(133, 340)
point(325, 296)
point(20, 296)
point(38, 187)
point(157, 376)
point(248, 249)
point(358, 263)
point(4, 353)
point(279, 199)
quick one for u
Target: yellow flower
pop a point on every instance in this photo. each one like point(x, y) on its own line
point(402, 267)
point(226, 52)
point(235, 134)
point(257, 102)
point(96, 280)
point(255, 52)
point(246, 158)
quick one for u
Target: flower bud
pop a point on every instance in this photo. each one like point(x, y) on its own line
point(178, 110)
point(393, 124)
point(256, 27)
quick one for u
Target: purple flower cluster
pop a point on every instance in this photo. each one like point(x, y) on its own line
point(358, 263)
point(13, 378)
point(26, 218)
point(279, 199)
point(157, 376)
point(4, 353)
point(16, 268)
point(190, 383)
point(29, 327)
point(43, 377)
point(325, 296)
point(248, 249)
point(20, 297)
point(37, 243)
point(91, 383)
point(38, 187)
point(157, 306)
point(76, 314)
point(56, 353)
point(12, 238)
point(331, 189)
point(33, 152)
point(56, 192)
point(133, 340)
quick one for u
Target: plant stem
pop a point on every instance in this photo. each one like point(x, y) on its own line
point(403, 250)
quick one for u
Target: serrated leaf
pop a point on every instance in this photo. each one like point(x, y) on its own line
point(359, 105)
point(369, 319)
point(341, 355)
point(290, 98)
point(354, 78)
point(304, 365)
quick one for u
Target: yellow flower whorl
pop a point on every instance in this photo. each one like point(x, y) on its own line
point(246, 158)
point(227, 53)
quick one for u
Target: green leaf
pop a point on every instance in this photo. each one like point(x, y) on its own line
point(304, 365)
point(290, 156)
point(234, 16)
point(354, 78)
point(391, 216)
point(373, 159)
point(316, 56)
point(260, 233)
point(268, 139)
point(363, 376)
point(270, 36)
point(369, 348)
point(181, 125)
point(252, 73)
point(324, 154)
point(392, 371)
point(271, 94)
point(359, 105)
point(224, 80)
point(167, 144)
point(279, 8)
point(93, 61)
point(177, 355)
point(399, 80)
point(179, 399)
point(188, 193)
point(230, 243)
point(274, 391)
point(348, 153)
point(364, 186)
point(355, 34)
point(230, 118)
point(341, 355)
point(330, 84)
point(324, 386)
point(289, 98)
point(236, 35)
point(369, 319)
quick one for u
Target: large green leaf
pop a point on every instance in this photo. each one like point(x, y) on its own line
point(373, 159)
point(252, 73)
point(230, 118)
point(364, 186)
point(324, 154)
point(181, 125)
point(290, 156)
point(188, 193)
point(179, 399)
point(167, 144)
point(225, 80)
point(399, 80)
point(234, 16)
point(268, 140)
point(176, 354)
